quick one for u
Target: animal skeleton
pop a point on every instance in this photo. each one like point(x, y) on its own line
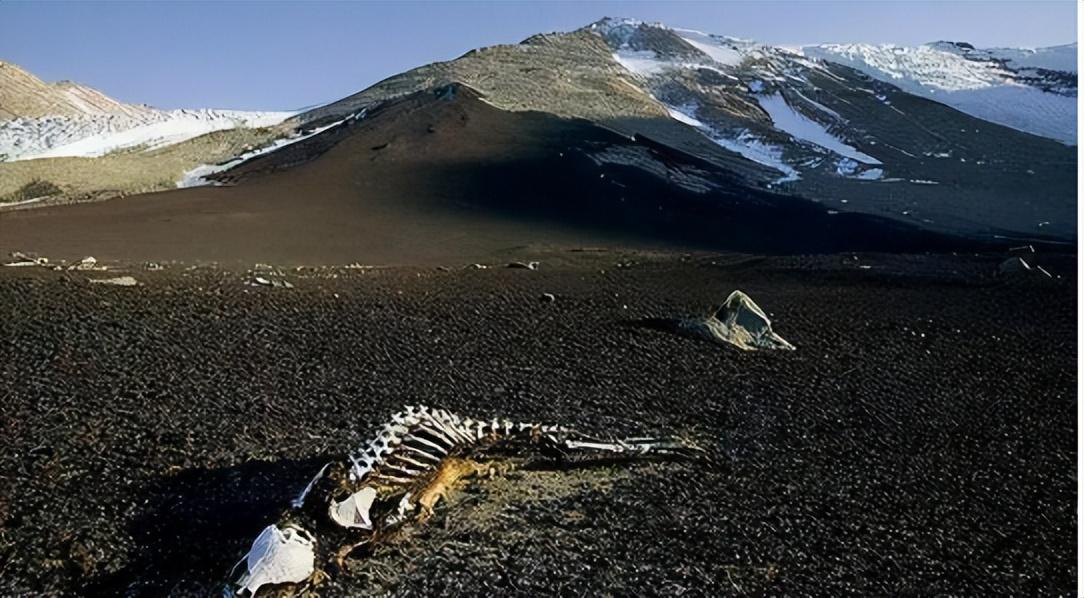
point(407, 467)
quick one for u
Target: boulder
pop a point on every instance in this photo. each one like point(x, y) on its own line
point(740, 322)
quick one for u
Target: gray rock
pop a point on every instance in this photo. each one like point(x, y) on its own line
point(739, 322)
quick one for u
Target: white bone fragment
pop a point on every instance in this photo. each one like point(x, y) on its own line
point(402, 469)
point(421, 466)
point(300, 500)
point(87, 263)
point(434, 431)
point(354, 511)
point(429, 443)
point(420, 453)
point(120, 281)
point(392, 479)
point(404, 510)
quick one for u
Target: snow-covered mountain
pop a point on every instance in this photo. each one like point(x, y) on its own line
point(785, 120)
point(746, 97)
point(1032, 90)
point(706, 119)
point(42, 120)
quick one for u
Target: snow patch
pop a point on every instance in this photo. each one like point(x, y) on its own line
point(685, 118)
point(760, 152)
point(717, 50)
point(640, 157)
point(92, 136)
point(819, 106)
point(987, 84)
point(197, 177)
point(644, 63)
point(846, 167)
point(744, 144)
point(789, 120)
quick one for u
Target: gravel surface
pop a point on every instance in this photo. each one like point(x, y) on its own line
point(919, 441)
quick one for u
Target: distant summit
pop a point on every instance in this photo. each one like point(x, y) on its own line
point(703, 108)
point(26, 96)
point(49, 120)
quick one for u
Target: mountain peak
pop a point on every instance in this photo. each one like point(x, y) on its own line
point(948, 45)
point(23, 95)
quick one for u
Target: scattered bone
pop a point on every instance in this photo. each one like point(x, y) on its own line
point(260, 281)
point(524, 265)
point(354, 511)
point(20, 259)
point(300, 500)
point(120, 281)
point(285, 555)
point(410, 464)
point(23, 264)
point(86, 264)
point(153, 266)
point(478, 266)
point(548, 298)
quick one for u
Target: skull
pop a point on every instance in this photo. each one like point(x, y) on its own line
point(278, 556)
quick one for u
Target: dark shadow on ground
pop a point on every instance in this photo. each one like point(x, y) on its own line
point(197, 523)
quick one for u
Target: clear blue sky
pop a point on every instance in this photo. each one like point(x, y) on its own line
point(281, 55)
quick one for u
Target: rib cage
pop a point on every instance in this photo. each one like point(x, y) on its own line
point(417, 439)
point(403, 470)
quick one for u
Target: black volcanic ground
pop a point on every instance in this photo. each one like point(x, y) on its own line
point(443, 175)
point(920, 440)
